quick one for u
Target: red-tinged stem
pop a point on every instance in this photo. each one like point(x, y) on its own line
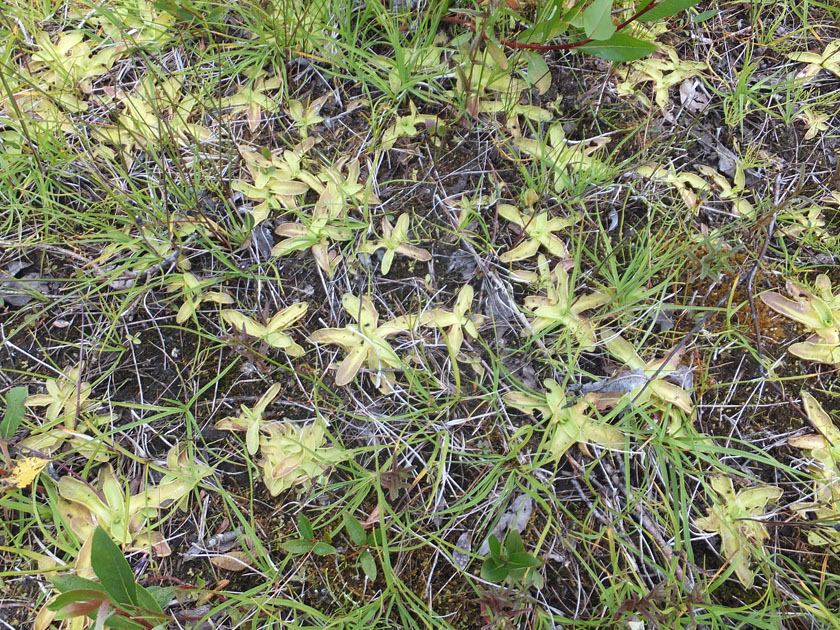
point(547, 47)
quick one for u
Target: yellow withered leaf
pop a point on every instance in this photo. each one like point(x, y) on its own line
point(25, 471)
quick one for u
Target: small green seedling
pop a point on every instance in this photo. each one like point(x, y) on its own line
point(356, 531)
point(307, 542)
point(295, 458)
point(569, 423)
point(250, 420)
point(570, 161)
point(328, 224)
point(824, 449)
point(828, 59)
point(272, 332)
point(819, 312)
point(539, 231)
point(559, 307)
point(653, 389)
point(735, 518)
point(365, 342)
point(125, 516)
point(194, 296)
point(116, 600)
point(395, 241)
point(511, 563)
point(66, 397)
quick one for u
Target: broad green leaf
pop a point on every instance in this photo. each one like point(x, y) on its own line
point(14, 411)
point(513, 544)
point(704, 16)
point(538, 72)
point(323, 549)
point(305, 527)
point(495, 546)
point(597, 20)
point(112, 569)
point(667, 8)
point(494, 570)
point(354, 529)
point(368, 564)
point(619, 47)
point(146, 600)
point(70, 582)
point(77, 595)
point(552, 22)
point(523, 559)
point(161, 594)
point(297, 546)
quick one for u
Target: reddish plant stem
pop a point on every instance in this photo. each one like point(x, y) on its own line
point(546, 47)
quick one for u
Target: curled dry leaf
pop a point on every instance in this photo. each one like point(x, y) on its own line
point(232, 561)
point(671, 400)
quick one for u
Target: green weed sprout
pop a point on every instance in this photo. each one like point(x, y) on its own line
point(124, 516)
point(395, 241)
point(365, 342)
point(115, 601)
point(820, 313)
point(250, 420)
point(568, 424)
point(273, 332)
point(510, 563)
point(734, 517)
